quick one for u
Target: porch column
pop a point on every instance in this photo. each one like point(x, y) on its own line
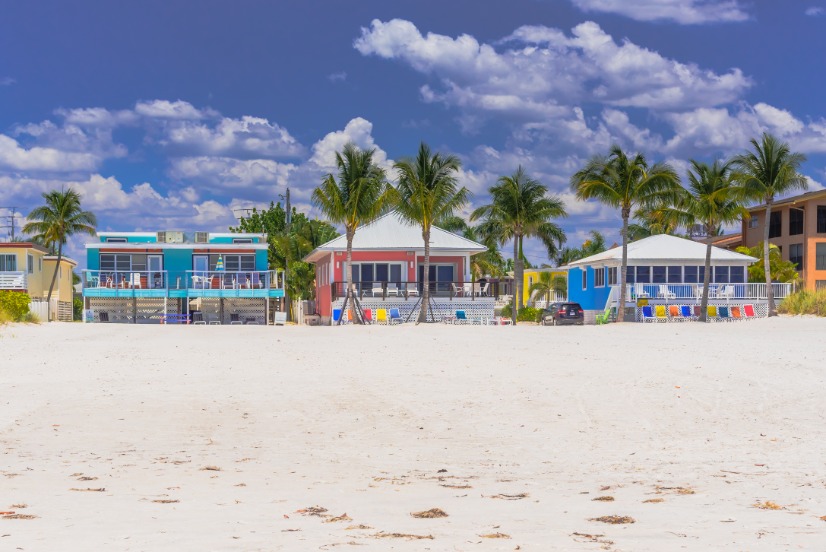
point(467, 268)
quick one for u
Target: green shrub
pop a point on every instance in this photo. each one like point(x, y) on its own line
point(527, 314)
point(30, 318)
point(77, 308)
point(14, 304)
point(804, 302)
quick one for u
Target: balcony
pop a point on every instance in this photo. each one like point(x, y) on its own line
point(13, 280)
point(162, 283)
point(405, 291)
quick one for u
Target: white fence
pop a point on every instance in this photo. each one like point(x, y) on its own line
point(694, 292)
point(40, 309)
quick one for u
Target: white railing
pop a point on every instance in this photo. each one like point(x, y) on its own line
point(13, 280)
point(240, 279)
point(555, 298)
point(133, 279)
point(694, 292)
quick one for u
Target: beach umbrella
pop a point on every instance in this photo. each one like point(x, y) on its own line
point(220, 264)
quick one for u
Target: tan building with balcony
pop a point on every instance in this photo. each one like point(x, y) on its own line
point(797, 226)
point(27, 267)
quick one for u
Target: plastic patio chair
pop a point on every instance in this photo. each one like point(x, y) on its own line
point(604, 317)
point(674, 313)
point(395, 317)
point(336, 315)
point(461, 317)
point(648, 314)
point(234, 319)
point(685, 312)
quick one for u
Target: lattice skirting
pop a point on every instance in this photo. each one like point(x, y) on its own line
point(761, 310)
point(65, 313)
point(249, 311)
point(481, 307)
point(128, 311)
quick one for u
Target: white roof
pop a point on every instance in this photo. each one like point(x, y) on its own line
point(663, 248)
point(390, 233)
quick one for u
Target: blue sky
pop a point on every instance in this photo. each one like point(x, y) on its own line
point(174, 115)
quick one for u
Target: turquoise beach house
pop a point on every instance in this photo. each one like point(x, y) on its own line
point(180, 277)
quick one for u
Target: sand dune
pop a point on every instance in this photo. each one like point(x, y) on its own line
point(708, 437)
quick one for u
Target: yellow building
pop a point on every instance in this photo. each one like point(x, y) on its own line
point(28, 267)
point(531, 276)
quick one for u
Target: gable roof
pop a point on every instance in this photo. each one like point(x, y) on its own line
point(390, 232)
point(665, 248)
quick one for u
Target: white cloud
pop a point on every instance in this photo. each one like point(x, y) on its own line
point(778, 121)
point(541, 72)
point(164, 109)
point(42, 159)
point(93, 140)
point(97, 116)
point(244, 137)
point(226, 173)
point(340, 76)
point(358, 131)
point(7, 81)
point(687, 12)
point(815, 11)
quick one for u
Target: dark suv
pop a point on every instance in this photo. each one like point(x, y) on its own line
point(562, 313)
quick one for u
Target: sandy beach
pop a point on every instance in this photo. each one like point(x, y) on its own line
point(118, 437)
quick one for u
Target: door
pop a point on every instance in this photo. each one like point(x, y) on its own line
point(200, 266)
point(154, 264)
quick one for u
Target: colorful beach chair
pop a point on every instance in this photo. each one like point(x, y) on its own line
point(748, 310)
point(648, 314)
point(381, 316)
point(712, 312)
point(659, 311)
point(736, 313)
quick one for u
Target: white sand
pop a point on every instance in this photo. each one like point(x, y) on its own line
point(361, 421)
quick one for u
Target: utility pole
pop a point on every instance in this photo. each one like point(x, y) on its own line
point(10, 225)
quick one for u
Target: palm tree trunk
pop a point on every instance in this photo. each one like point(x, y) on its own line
point(516, 281)
point(706, 282)
point(626, 212)
point(425, 277)
point(766, 263)
point(54, 277)
point(349, 274)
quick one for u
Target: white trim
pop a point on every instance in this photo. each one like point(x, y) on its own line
point(157, 245)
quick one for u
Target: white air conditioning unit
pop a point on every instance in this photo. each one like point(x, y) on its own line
point(161, 237)
point(201, 237)
point(173, 237)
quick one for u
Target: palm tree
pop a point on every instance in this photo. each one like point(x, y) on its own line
point(55, 222)
point(712, 199)
point(546, 284)
point(626, 183)
point(520, 207)
point(428, 191)
point(487, 263)
point(768, 171)
point(360, 196)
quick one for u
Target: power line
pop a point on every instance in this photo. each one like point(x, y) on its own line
point(13, 211)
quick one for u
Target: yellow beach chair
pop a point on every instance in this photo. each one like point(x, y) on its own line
point(381, 316)
point(712, 312)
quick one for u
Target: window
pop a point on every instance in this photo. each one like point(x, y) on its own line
point(721, 274)
point(241, 240)
point(599, 277)
point(675, 275)
point(796, 254)
point(584, 278)
point(820, 256)
point(630, 275)
point(115, 263)
point(385, 272)
point(30, 264)
point(238, 263)
point(612, 276)
point(738, 275)
point(754, 221)
point(691, 273)
point(775, 226)
point(658, 275)
point(643, 274)
point(821, 219)
point(8, 263)
point(115, 240)
point(795, 221)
